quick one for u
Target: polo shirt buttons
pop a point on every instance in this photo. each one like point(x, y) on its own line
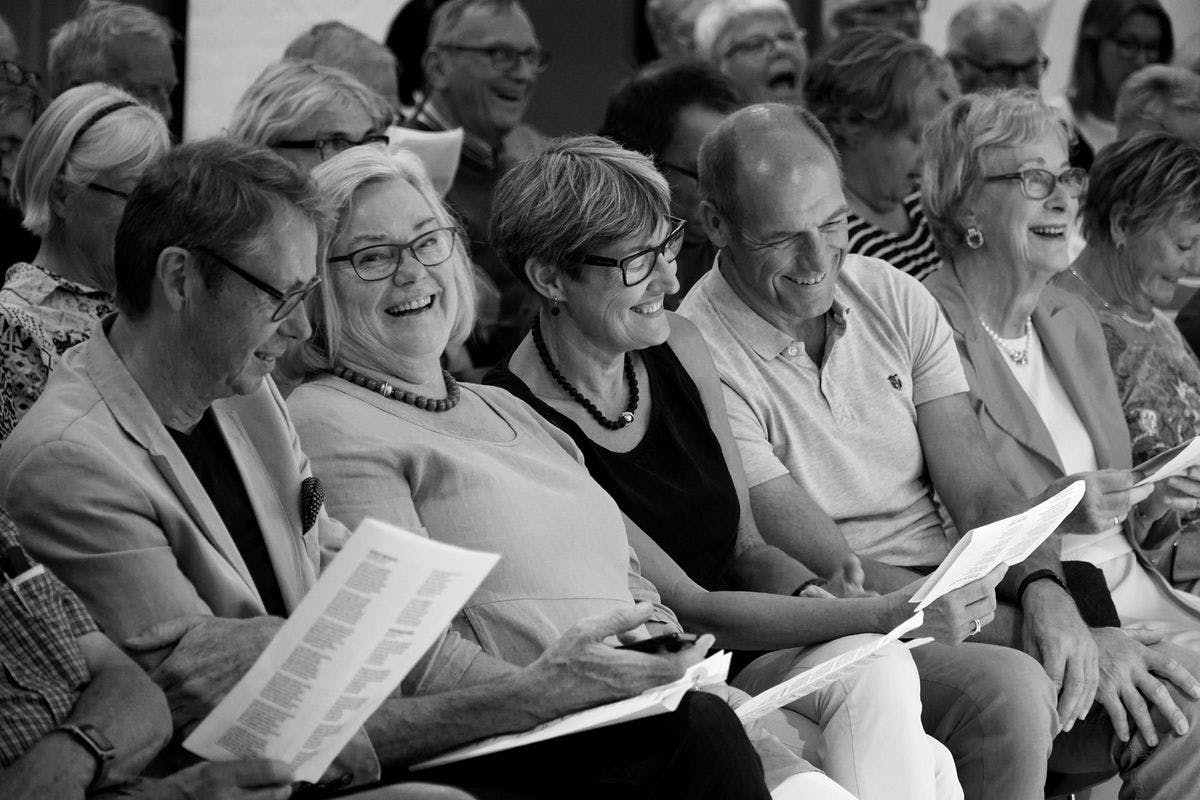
point(792, 350)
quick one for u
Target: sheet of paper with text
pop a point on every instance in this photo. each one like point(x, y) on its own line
point(1006, 541)
point(382, 602)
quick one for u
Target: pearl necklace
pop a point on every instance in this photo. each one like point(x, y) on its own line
point(387, 390)
point(1019, 357)
point(1137, 323)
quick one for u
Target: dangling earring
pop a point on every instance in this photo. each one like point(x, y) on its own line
point(554, 309)
point(974, 238)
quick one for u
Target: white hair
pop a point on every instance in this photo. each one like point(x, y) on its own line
point(715, 19)
point(79, 50)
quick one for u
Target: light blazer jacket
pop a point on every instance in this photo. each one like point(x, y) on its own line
point(104, 497)
point(1075, 347)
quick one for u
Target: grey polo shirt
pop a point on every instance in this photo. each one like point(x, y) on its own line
point(846, 431)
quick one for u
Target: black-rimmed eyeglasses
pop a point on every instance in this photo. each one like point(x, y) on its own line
point(638, 266)
point(287, 300)
point(332, 145)
point(108, 190)
point(505, 59)
point(1038, 183)
point(381, 261)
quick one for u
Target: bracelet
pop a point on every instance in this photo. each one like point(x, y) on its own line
point(1037, 576)
point(818, 582)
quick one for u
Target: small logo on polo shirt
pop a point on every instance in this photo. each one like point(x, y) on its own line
point(895, 381)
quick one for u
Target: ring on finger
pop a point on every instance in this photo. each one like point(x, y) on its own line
point(976, 627)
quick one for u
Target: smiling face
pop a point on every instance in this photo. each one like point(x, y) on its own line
point(782, 256)
point(1021, 233)
point(884, 168)
point(487, 101)
point(764, 55)
point(1163, 253)
point(615, 317)
point(403, 319)
point(232, 333)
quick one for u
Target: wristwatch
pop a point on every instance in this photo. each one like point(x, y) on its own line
point(95, 743)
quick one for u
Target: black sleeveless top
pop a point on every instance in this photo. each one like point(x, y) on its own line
point(674, 484)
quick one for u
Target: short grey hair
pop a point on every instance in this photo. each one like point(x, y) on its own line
point(956, 141)
point(1149, 178)
point(124, 141)
point(578, 195)
point(288, 92)
point(338, 180)
point(1150, 94)
point(718, 15)
point(984, 16)
point(79, 50)
point(448, 16)
point(672, 25)
point(720, 160)
point(867, 80)
point(336, 44)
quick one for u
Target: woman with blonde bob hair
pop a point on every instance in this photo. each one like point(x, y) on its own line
point(308, 112)
point(73, 174)
point(1002, 198)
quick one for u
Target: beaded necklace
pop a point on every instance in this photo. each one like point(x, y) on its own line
point(1019, 357)
point(387, 390)
point(626, 416)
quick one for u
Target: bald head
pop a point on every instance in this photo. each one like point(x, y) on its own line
point(769, 142)
point(994, 45)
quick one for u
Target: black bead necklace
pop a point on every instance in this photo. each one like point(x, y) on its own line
point(387, 390)
point(626, 416)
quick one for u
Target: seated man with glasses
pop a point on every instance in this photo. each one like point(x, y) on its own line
point(992, 44)
point(481, 66)
point(758, 45)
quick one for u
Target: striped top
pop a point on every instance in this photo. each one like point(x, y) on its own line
point(912, 252)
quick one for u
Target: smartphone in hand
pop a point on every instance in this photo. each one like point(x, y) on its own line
point(667, 643)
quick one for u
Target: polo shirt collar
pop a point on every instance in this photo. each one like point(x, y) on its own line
point(766, 340)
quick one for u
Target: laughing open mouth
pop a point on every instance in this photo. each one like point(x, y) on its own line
point(411, 307)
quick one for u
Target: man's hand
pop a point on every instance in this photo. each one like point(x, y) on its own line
point(232, 780)
point(580, 670)
point(950, 618)
point(1180, 493)
point(207, 656)
point(1108, 495)
point(1055, 634)
point(1127, 684)
point(848, 579)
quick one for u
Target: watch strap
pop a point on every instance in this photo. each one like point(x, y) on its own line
point(95, 743)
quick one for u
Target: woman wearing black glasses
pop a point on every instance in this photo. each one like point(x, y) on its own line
point(72, 177)
point(1002, 199)
point(1116, 39)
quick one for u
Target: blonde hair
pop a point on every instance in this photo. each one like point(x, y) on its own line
point(956, 141)
point(338, 180)
point(289, 92)
point(125, 141)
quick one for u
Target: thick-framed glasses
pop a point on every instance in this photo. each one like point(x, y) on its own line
point(1129, 49)
point(1038, 183)
point(381, 261)
point(1005, 74)
point(762, 45)
point(888, 9)
point(333, 145)
point(287, 300)
point(637, 267)
point(102, 189)
point(505, 59)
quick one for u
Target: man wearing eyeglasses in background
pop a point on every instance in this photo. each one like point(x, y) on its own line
point(481, 65)
point(992, 44)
